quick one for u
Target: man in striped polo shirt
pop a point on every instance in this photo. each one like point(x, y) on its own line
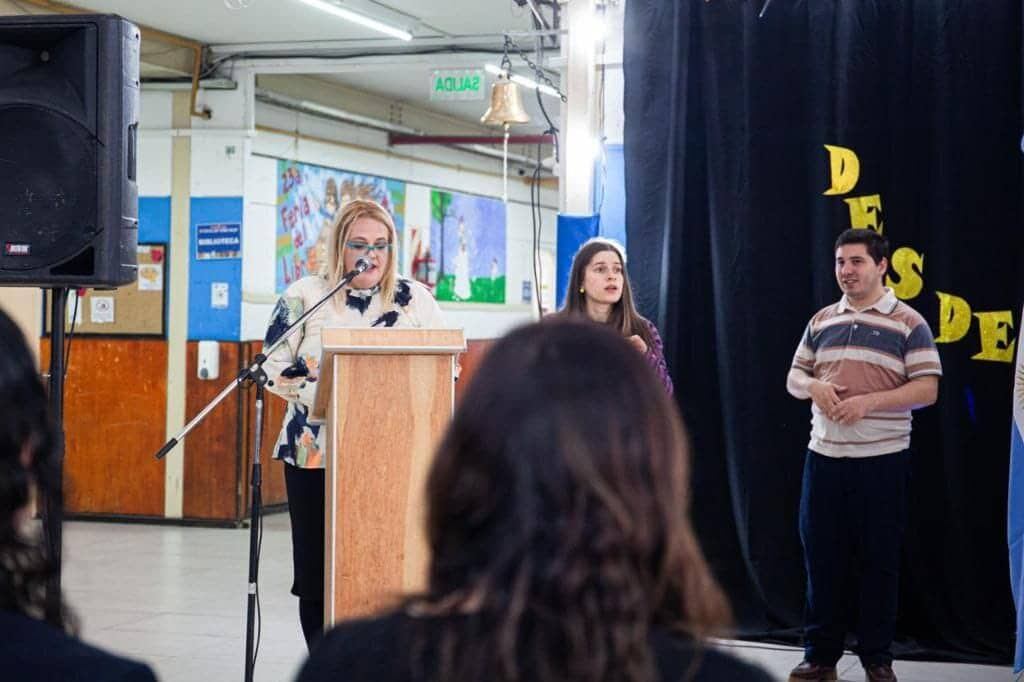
point(865, 363)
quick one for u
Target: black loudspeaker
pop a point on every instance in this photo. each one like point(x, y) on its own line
point(69, 116)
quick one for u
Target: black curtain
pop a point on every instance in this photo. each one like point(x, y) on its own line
point(730, 234)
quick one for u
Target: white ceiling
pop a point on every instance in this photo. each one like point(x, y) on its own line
point(213, 22)
point(282, 28)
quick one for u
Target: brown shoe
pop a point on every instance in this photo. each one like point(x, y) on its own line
point(879, 673)
point(812, 672)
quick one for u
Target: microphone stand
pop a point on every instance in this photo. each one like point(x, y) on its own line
point(255, 375)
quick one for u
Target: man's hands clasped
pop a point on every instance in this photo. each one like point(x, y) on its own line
point(845, 411)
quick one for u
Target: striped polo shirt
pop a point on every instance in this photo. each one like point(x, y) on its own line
point(875, 349)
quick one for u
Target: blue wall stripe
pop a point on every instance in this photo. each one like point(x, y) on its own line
point(572, 232)
point(613, 204)
point(155, 220)
point(206, 323)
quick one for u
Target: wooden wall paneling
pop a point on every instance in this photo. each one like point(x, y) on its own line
point(213, 453)
point(115, 402)
point(470, 360)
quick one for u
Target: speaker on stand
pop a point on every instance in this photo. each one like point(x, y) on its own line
point(69, 115)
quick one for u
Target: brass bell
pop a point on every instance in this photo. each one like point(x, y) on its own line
point(506, 104)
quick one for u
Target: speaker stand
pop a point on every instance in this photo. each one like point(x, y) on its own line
point(53, 506)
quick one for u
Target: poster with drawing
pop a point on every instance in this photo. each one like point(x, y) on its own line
point(308, 198)
point(466, 259)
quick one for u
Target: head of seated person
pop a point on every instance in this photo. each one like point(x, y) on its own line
point(558, 511)
point(558, 526)
point(36, 627)
point(29, 473)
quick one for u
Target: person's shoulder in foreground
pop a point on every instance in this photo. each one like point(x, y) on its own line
point(33, 650)
point(380, 649)
point(364, 649)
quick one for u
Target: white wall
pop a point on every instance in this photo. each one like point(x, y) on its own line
point(154, 169)
point(250, 169)
point(259, 215)
point(479, 321)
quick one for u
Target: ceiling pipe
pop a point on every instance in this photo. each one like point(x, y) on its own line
point(333, 114)
point(399, 139)
point(197, 65)
point(178, 84)
point(363, 45)
point(536, 14)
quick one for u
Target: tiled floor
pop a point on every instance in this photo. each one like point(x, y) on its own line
point(779, 660)
point(176, 598)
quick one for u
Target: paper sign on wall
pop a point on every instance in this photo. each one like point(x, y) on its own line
point(218, 240)
point(219, 295)
point(102, 309)
point(151, 276)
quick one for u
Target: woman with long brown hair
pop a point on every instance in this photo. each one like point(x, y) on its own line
point(599, 290)
point(561, 546)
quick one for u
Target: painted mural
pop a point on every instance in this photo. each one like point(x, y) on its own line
point(463, 256)
point(308, 198)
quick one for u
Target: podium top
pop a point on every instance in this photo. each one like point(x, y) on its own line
point(391, 341)
point(377, 341)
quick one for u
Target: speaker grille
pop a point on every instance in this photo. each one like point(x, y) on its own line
point(49, 164)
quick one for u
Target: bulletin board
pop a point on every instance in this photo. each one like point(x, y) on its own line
point(136, 309)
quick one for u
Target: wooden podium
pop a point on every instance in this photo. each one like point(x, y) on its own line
point(386, 396)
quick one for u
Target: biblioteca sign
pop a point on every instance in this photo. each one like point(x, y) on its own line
point(465, 84)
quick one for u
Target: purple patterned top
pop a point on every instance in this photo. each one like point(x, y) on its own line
point(656, 357)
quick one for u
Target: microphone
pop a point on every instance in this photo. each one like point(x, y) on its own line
point(362, 265)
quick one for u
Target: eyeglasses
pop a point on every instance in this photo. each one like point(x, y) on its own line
point(367, 248)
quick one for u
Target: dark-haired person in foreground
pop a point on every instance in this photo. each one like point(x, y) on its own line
point(35, 643)
point(865, 363)
point(558, 523)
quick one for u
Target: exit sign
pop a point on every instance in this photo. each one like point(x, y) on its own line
point(457, 84)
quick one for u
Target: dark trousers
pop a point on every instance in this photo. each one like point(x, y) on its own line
point(306, 510)
point(852, 517)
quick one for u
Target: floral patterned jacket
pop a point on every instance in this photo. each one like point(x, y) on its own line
point(294, 366)
point(656, 358)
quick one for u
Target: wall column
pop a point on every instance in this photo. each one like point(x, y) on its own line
point(580, 112)
point(177, 317)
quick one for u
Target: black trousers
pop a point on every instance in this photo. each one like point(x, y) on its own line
point(306, 508)
point(852, 517)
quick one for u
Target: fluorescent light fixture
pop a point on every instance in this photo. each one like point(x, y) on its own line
point(360, 19)
point(521, 80)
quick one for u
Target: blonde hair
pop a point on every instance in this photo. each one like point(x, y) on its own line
point(340, 229)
